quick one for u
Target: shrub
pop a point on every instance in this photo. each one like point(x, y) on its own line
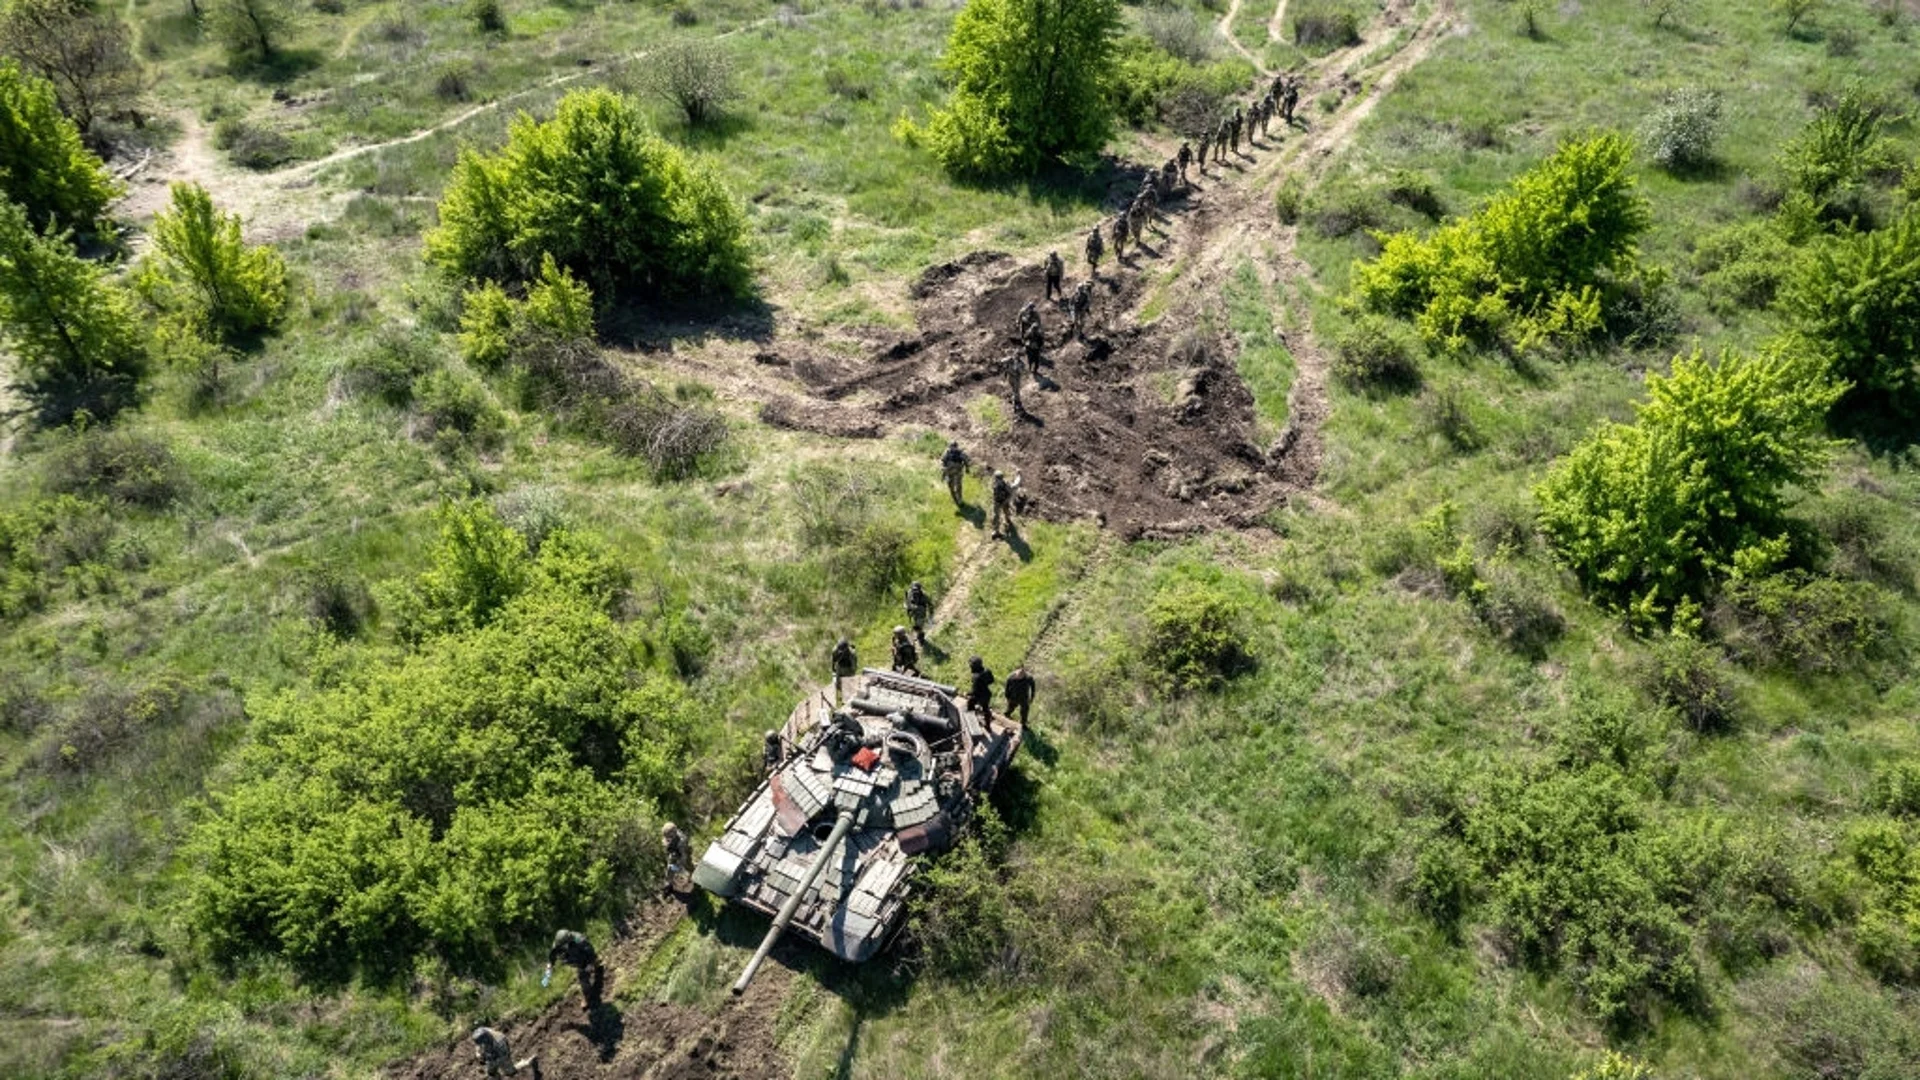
point(606, 198)
point(454, 81)
point(64, 541)
point(202, 271)
point(1151, 84)
point(1896, 788)
point(1856, 300)
point(1690, 677)
point(696, 78)
point(1839, 148)
point(249, 26)
point(1324, 25)
point(1521, 615)
point(1885, 862)
point(1648, 514)
point(1793, 11)
point(1196, 636)
point(1448, 413)
point(960, 916)
point(1342, 209)
point(1179, 32)
point(1373, 356)
point(1529, 266)
point(109, 721)
point(456, 405)
point(1682, 134)
point(1613, 1065)
point(1814, 625)
point(1829, 1025)
point(487, 16)
point(1415, 192)
point(78, 348)
point(1029, 85)
point(120, 466)
point(387, 366)
point(51, 176)
point(251, 145)
point(1743, 265)
point(336, 599)
point(1289, 200)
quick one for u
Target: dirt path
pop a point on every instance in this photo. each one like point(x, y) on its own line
point(1226, 31)
point(1277, 26)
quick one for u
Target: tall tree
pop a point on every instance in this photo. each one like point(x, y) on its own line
point(76, 340)
point(85, 52)
point(1029, 85)
point(43, 166)
point(250, 26)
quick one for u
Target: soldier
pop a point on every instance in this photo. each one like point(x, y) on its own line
point(1095, 249)
point(1034, 346)
point(1003, 504)
point(1019, 692)
point(1119, 230)
point(1185, 158)
point(845, 665)
point(1081, 306)
point(1256, 116)
point(953, 468)
point(1220, 139)
point(1289, 102)
point(1150, 194)
point(1279, 86)
point(573, 949)
point(1233, 130)
point(496, 1056)
point(1056, 270)
point(906, 658)
point(773, 752)
point(980, 689)
point(1206, 144)
point(919, 610)
point(679, 854)
point(1029, 317)
point(1014, 366)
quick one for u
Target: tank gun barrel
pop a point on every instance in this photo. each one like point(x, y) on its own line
point(841, 827)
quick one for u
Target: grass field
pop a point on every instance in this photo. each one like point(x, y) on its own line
point(1210, 882)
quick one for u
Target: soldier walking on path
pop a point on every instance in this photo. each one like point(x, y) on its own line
point(1289, 102)
point(679, 854)
point(1095, 249)
point(906, 658)
point(1014, 366)
point(1220, 140)
point(1024, 322)
point(497, 1057)
point(980, 687)
point(953, 469)
point(1206, 144)
point(845, 663)
point(919, 610)
point(1119, 230)
point(1233, 129)
point(1081, 305)
point(572, 948)
point(1185, 158)
point(1019, 692)
point(1056, 270)
point(1003, 504)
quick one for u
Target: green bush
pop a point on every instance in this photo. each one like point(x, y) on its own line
point(1896, 788)
point(204, 272)
point(78, 347)
point(1530, 266)
point(1196, 635)
point(1683, 133)
point(1029, 82)
point(1805, 623)
point(251, 145)
point(388, 366)
point(1324, 25)
point(456, 406)
point(1691, 678)
point(63, 542)
point(1829, 1025)
point(601, 194)
point(57, 182)
point(250, 27)
point(1372, 356)
point(1743, 265)
point(487, 16)
point(453, 800)
point(1831, 159)
point(1856, 300)
point(1152, 84)
point(1649, 514)
point(123, 467)
point(1883, 856)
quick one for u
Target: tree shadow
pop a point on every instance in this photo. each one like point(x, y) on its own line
point(1884, 432)
point(714, 134)
point(282, 67)
point(1705, 172)
point(651, 325)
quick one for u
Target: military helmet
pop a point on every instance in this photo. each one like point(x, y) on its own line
point(975, 664)
point(668, 829)
point(479, 1034)
point(772, 736)
point(916, 584)
point(899, 630)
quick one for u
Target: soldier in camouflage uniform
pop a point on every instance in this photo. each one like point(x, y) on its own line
point(1028, 318)
point(1206, 144)
point(1119, 230)
point(906, 658)
point(1220, 139)
point(980, 687)
point(773, 752)
point(1233, 130)
point(953, 468)
point(572, 948)
point(1014, 367)
point(1056, 270)
point(1095, 249)
point(496, 1056)
point(1290, 102)
point(1034, 347)
point(679, 854)
point(845, 663)
point(1185, 158)
point(1003, 504)
point(1080, 307)
point(1169, 176)
point(1137, 220)
point(919, 608)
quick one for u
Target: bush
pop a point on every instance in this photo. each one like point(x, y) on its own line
point(123, 467)
point(696, 78)
point(1179, 32)
point(251, 145)
point(1683, 133)
point(1342, 209)
point(250, 26)
point(1649, 514)
point(1743, 266)
point(388, 366)
point(1325, 25)
point(1896, 788)
point(1824, 1025)
point(1812, 625)
point(1289, 200)
point(455, 405)
point(1520, 614)
point(1151, 84)
point(454, 81)
point(78, 348)
point(1885, 864)
point(337, 600)
point(1373, 356)
point(1529, 266)
point(64, 541)
point(1856, 300)
point(1415, 192)
point(108, 721)
point(1196, 636)
point(487, 16)
point(202, 271)
point(606, 198)
point(1691, 678)
point(1835, 154)
point(1028, 83)
point(51, 175)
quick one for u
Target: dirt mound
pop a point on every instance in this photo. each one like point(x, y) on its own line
point(1146, 428)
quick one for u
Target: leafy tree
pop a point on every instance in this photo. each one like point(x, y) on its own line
point(1196, 635)
point(695, 77)
point(496, 328)
point(1648, 514)
point(1531, 264)
point(250, 26)
point(43, 165)
point(202, 269)
point(604, 196)
point(1682, 132)
point(487, 16)
point(1029, 85)
point(1793, 11)
point(76, 340)
point(1856, 299)
point(1664, 10)
point(85, 52)
point(1838, 149)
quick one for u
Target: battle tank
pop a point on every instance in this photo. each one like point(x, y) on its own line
point(826, 843)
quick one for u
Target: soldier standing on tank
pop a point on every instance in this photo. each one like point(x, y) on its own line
point(919, 610)
point(1080, 307)
point(679, 854)
point(497, 1057)
point(1003, 504)
point(980, 687)
point(1019, 692)
point(1056, 270)
point(1095, 248)
point(953, 469)
point(906, 658)
point(572, 948)
point(845, 665)
point(1014, 367)
point(773, 752)
point(1119, 232)
point(1185, 158)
